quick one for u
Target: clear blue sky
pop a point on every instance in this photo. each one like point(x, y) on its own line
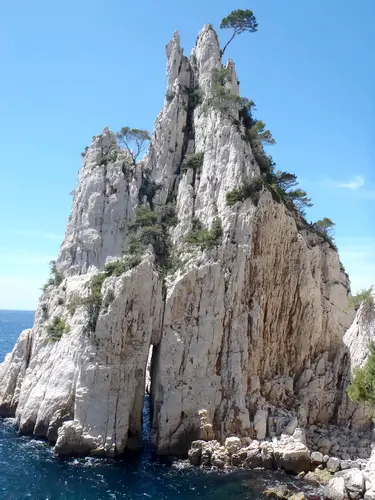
point(70, 68)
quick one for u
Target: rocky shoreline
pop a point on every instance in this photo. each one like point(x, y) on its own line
point(319, 454)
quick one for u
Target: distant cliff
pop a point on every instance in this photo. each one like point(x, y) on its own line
point(245, 305)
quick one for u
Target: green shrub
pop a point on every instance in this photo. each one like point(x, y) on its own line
point(193, 162)
point(56, 278)
point(168, 215)
point(57, 328)
point(95, 286)
point(173, 262)
point(133, 246)
point(115, 268)
point(234, 196)
point(221, 96)
point(249, 189)
point(73, 304)
point(364, 296)
point(144, 216)
point(362, 386)
point(150, 227)
point(203, 237)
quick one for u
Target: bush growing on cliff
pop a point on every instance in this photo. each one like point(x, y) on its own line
point(282, 185)
point(151, 227)
point(144, 216)
point(193, 162)
point(325, 228)
point(57, 328)
point(249, 189)
point(203, 237)
point(221, 96)
point(239, 21)
point(56, 278)
point(362, 386)
point(363, 296)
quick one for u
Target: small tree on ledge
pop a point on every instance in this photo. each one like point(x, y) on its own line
point(135, 141)
point(239, 21)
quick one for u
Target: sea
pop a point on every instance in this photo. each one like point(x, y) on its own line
point(29, 468)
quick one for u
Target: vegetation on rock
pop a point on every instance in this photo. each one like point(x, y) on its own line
point(135, 141)
point(239, 21)
point(193, 162)
point(250, 189)
point(362, 387)
point(363, 296)
point(221, 96)
point(55, 278)
point(57, 328)
point(151, 227)
point(203, 237)
point(325, 228)
point(239, 110)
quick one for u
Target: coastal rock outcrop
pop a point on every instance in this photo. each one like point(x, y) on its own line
point(246, 327)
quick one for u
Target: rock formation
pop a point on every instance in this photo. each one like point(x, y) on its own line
point(247, 332)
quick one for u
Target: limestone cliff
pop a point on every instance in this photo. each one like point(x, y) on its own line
point(247, 333)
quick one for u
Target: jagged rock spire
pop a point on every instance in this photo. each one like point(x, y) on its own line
point(248, 327)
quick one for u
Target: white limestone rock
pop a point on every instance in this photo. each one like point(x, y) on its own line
point(232, 445)
point(245, 334)
point(336, 490)
point(292, 456)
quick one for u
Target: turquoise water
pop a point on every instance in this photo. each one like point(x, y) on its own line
point(30, 470)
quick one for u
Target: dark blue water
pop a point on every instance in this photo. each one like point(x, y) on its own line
point(29, 469)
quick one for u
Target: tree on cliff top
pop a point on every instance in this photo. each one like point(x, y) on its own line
point(135, 141)
point(325, 225)
point(362, 387)
point(239, 21)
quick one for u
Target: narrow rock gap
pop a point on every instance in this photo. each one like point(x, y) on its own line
point(147, 404)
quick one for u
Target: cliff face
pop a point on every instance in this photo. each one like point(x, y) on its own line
point(246, 335)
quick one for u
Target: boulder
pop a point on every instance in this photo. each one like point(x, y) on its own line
point(355, 483)
point(194, 455)
point(253, 459)
point(207, 451)
point(268, 460)
point(335, 489)
point(333, 465)
point(238, 459)
point(232, 445)
point(293, 458)
point(318, 476)
point(369, 495)
point(281, 492)
point(219, 458)
point(316, 458)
